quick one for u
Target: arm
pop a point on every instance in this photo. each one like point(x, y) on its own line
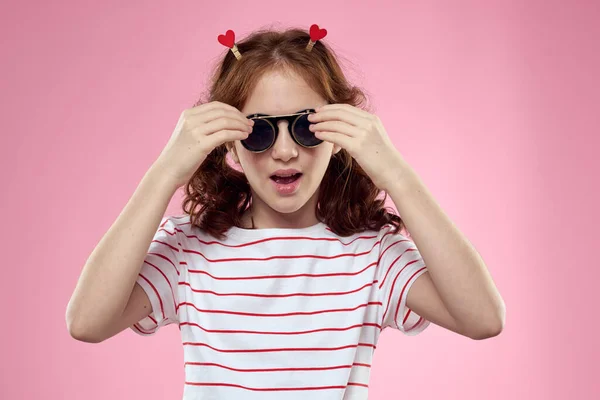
point(104, 301)
point(457, 292)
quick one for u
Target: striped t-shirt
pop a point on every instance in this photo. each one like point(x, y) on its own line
point(278, 313)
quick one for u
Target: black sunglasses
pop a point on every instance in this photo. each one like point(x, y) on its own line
point(264, 131)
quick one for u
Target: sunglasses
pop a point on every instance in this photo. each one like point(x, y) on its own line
point(264, 131)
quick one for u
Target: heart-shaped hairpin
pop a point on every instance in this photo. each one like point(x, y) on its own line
point(228, 40)
point(316, 33)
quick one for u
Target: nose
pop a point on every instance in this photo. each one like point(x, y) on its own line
point(284, 147)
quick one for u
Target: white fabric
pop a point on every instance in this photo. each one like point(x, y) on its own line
point(279, 313)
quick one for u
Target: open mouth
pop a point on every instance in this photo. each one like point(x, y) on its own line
point(284, 180)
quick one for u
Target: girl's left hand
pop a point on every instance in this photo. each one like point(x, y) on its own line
point(363, 136)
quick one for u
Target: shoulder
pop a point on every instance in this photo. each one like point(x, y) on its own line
point(172, 229)
point(388, 237)
point(176, 223)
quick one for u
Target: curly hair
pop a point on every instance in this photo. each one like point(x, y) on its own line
point(217, 195)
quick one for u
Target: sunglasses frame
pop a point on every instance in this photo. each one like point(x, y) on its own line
point(291, 127)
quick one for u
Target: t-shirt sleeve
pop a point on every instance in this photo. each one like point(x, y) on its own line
point(399, 266)
point(159, 277)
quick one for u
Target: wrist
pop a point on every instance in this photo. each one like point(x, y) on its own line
point(162, 178)
point(400, 175)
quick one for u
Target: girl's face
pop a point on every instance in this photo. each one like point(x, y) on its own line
point(279, 93)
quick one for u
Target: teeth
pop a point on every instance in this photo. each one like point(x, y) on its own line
point(286, 176)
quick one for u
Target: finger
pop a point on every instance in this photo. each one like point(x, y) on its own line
point(224, 123)
point(211, 106)
point(336, 138)
point(336, 126)
point(337, 115)
point(347, 107)
point(224, 136)
point(219, 113)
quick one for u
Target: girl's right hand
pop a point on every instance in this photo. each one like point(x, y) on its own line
point(199, 130)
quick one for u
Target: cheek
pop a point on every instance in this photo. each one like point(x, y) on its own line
point(251, 163)
point(324, 152)
point(320, 159)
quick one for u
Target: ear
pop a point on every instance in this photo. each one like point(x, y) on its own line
point(336, 149)
point(231, 149)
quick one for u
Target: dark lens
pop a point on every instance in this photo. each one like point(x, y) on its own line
point(261, 137)
point(304, 135)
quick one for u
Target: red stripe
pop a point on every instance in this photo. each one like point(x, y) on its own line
point(362, 365)
point(278, 295)
point(280, 314)
point(357, 384)
point(280, 333)
point(198, 364)
point(391, 293)
point(166, 244)
point(406, 316)
point(168, 281)
point(279, 349)
point(166, 258)
point(415, 325)
point(280, 257)
point(162, 310)
point(391, 245)
point(402, 292)
point(263, 389)
point(138, 328)
point(394, 262)
point(284, 238)
point(198, 271)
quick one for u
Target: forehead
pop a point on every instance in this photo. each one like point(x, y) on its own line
point(281, 92)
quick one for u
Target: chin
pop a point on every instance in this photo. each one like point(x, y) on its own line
point(286, 205)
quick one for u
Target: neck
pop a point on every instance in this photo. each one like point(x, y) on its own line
point(293, 220)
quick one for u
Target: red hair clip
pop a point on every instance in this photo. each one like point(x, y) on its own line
point(315, 34)
point(228, 40)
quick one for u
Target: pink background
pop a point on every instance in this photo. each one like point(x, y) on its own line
point(495, 104)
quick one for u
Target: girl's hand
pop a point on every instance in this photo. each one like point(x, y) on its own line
point(199, 130)
point(363, 136)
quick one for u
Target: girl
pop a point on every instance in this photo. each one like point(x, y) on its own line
point(285, 268)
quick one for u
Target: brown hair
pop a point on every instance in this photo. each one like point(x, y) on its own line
point(217, 195)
